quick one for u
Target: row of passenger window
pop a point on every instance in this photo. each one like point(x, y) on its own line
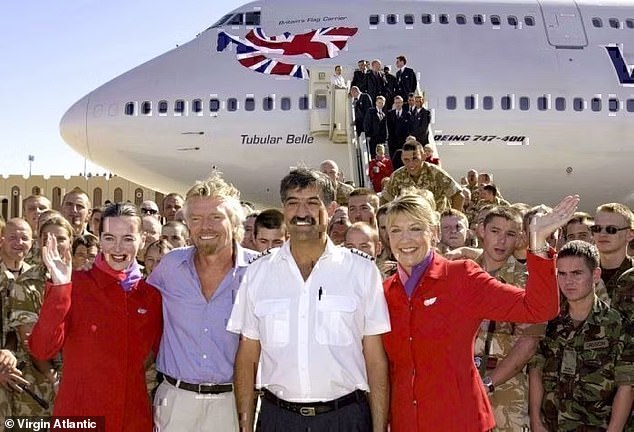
point(543, 103)
point(461, 19)
point(471, 102)
point(215, 104)
point(480, 19)
point(614, 23)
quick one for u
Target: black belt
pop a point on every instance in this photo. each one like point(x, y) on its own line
point(199, 388)
point(310, 409)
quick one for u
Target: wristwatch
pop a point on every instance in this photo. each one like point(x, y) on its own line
point(488, 383)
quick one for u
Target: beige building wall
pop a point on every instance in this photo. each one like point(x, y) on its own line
point(14, 188)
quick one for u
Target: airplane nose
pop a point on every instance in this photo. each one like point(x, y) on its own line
point(72, 127)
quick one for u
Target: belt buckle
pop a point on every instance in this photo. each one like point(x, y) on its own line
point(307, 411)
point(201, 385)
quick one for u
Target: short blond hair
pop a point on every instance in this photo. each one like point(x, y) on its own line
point(618, 208)
point(216, 187)
point(366, 229)
point(415, 206)
point(426, 194)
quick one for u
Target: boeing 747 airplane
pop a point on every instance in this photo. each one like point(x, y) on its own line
point(538, 92)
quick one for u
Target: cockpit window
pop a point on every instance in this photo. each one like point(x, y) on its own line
point(222, 20)
point(252, 18)
point(237, 19)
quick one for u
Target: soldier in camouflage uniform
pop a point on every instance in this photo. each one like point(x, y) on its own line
point(472, 185)
point(583, 373)
point(10, 378)
point(342, 190)
point(33, 206)
point(22, 300)
point(612, 246)
point(502, 349)
point(624, 302)
point(623, 295)
point(419, 174)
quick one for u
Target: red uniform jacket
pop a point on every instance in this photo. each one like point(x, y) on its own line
point(434, 383)
point(379, 169)
point(105, 334)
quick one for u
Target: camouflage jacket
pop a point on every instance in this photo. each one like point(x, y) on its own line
point(342, 193)
point(34, 257)
point(432, 178)
point(21, 302)
point(623, 295)
point(506, 333)
point(617, 292)
point(475, 192)
point(582, 367)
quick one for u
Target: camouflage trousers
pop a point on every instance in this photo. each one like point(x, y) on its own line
point(509, 402)
point(150, 380)
point(25, 405)
point(5, 404)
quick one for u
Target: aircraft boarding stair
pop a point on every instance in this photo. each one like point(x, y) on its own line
point(331, 115)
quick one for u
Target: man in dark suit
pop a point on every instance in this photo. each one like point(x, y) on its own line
point(359, 78)
point(390, 88)
point(410, 105)
point(419, 121)
point(376, 81)
point(375, 126)
point(362, 103)
point(405, 78)
point(397, 131)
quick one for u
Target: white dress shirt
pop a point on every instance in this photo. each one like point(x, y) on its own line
point(311, 331)
point(338, 81)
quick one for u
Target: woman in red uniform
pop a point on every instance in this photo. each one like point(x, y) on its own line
point(107, 321)
point(436, 307)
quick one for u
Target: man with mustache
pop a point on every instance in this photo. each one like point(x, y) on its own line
point(198, 284)
point(311, 315)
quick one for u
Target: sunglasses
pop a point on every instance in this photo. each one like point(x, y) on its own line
point(149, 211)
point(610, 229)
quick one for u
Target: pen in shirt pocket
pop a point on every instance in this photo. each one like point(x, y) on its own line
point(321, 291)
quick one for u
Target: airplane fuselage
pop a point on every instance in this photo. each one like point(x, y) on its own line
point(536, 100)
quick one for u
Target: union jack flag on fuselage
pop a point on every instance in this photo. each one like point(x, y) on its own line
point(255, 50)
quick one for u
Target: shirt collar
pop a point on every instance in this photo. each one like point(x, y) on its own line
point(9, 274)
point(509, 264)
point(331, 249)
point(240, 256)
point(598, 308)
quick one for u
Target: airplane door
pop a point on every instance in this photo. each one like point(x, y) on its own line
point(564, 27)
point(319, 112)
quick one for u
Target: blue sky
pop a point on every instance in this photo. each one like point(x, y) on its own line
point(53, 53)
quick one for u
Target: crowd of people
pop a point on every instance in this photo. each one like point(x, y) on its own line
point(422, 303)
point(388, 111)
point(350, 307)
